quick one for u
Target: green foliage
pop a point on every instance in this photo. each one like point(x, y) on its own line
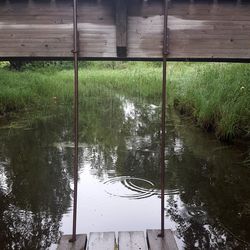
point(4, 64)
point(216, 95)
point(40, 86)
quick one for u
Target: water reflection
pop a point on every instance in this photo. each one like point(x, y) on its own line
point(134, 188)
point(35, 188)
point(207, 191)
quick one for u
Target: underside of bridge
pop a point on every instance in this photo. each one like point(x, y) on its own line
point(207, 30)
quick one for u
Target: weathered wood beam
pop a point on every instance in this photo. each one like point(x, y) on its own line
point(30, 3)
point(100, 241)
point(132, 241)
point(121, 28)
point(53, 2)
point(79, 244)
point(155, 242)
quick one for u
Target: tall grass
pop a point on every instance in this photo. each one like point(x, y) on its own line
point(42, 87)
point(216, 95)
point(27, 90)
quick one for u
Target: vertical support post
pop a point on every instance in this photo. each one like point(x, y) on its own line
point(30, 3)
point(163, 114)
point(53, 3)
point(76, 117)
point(121, 27)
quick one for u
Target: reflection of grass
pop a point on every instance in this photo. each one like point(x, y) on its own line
point(246, 162)
point(14, 125)
point(24, 121)
point(216, 95)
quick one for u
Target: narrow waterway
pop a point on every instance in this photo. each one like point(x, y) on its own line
point(207, 183)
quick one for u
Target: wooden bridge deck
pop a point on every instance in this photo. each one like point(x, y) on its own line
point(125, 29)
point(126, 241)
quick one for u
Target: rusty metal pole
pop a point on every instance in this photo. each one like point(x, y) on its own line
point(76, 117)
point(163, 114)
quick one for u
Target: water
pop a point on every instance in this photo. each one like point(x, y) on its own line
point(207, 188)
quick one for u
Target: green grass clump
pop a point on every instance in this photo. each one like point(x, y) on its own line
point(32, 90)
point(131, 81)
point(216, 95)
point(42, 87)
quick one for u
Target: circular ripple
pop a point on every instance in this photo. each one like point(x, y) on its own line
point(130, 187)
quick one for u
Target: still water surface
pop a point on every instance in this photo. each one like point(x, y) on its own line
point(207, 187)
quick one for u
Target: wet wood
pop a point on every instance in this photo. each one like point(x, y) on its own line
point(157, 243)
point(134, 30)
point(79, 244)
point(101, 241)
point(132, 241)
point(121, 28)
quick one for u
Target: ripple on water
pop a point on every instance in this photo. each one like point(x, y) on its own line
point(129, 187)
point(133, 188)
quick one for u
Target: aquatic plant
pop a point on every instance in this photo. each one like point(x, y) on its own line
point(216, 95)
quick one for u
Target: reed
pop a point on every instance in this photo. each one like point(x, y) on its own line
point(216, 95)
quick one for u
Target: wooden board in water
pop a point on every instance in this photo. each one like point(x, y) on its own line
point(132, 241)
point(101, 241)
point(79, 244)
point(157, 243)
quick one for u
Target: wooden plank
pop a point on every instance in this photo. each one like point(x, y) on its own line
point(79, 244)
point(197, 30)
point(131, 241)
point(101, 241)
point(157, 243)
point(121, 28)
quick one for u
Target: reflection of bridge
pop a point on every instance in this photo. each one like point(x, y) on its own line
point(126, 241)
point(132, 29)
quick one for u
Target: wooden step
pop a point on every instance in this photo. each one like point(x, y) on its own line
point(132, 241)
point(126, 241)
point(79, 244)
point(157, 243)
point(101, 241)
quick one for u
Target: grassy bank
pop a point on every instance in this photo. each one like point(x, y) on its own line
point(42, 87)
point(216, 95)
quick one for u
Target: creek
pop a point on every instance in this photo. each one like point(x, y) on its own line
point(207, 183)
